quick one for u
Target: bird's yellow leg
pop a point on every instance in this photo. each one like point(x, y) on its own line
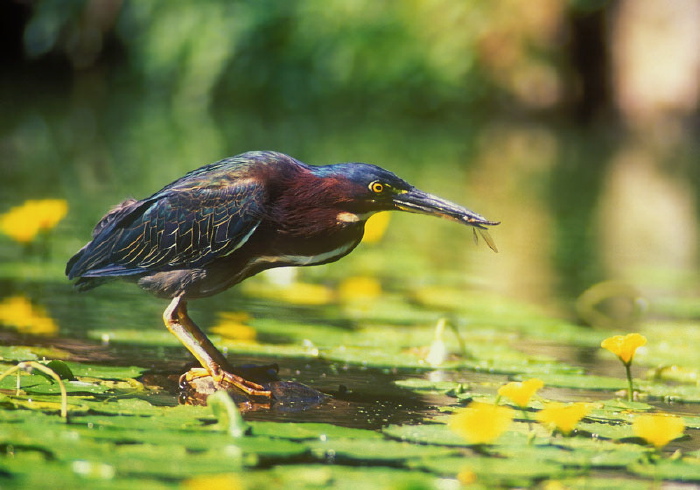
point(213, 362)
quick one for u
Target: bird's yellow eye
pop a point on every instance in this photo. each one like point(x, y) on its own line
point(377, 187)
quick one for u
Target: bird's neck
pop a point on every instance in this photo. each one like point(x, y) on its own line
point(314, 206)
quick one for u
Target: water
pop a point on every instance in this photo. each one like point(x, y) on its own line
point(576, 209)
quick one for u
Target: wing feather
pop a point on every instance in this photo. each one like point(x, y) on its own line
point(179, 227)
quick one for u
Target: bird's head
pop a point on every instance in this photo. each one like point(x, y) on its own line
point(364, 189)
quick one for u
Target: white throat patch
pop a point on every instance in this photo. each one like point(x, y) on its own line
point(347, 217)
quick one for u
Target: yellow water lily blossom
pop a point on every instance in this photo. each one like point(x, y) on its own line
point(375, 227)
point(359, 289)
point(563, 417)
point(624, 346)
point(229, 481)
point(481, 423)
point(302, 293)
point(231, 326)
point(520, 392)
point(20, 313)
point(466, 477)
point(23, 223)
point(299, 293)
point(658, 429)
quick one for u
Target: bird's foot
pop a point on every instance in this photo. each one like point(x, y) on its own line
point(226, 381)
point(290, 396)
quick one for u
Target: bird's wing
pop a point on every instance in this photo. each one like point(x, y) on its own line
point(184, 227)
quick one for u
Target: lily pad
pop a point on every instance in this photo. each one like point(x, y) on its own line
point(341, 478)
point(683, 470)
point(24, 353)
point(587, 382)
point(494, 472)
point(379, 451)
point(106, 372)
point(438, 434)
point(311, 431)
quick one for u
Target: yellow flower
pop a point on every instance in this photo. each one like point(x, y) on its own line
point(297, 293)
point(521, 392)
point(563, 417)
point(24, 222)
point(232, 326)
point(359, 289)
point(302, 293)
point(466, 477)
point(229, 481)
point(376, 227)
point(18, 311)
point(624, 346)
point(658, 429)
point(481, 423)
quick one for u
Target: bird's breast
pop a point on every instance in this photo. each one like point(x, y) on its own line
point(302, 259)
point(319, 245)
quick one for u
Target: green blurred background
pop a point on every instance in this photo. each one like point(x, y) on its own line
point(575, 123)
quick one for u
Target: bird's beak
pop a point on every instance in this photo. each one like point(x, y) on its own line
point(417, 201)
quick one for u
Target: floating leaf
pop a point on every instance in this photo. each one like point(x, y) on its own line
point(425, 434)
point(358, 450)
point(24, 353)
point(342, 477)
point(606, 431)
point(682, 470)
point(588, 382)
point(105, 372)
point(312, 430)
point(497, 472)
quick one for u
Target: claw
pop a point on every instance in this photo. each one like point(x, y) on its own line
point(224, 380)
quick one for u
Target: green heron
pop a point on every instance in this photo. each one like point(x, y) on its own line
point(229, 220)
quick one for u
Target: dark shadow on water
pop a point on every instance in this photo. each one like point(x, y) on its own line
point(356, 397)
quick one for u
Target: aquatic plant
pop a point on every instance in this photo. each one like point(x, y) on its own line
point(658, 429)
point(624, 347)
point(562, 417)
point(481, 423)
point(23, 223)
point(520, 392)
point(18, 312)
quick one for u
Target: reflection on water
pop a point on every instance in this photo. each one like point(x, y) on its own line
point(648, 221)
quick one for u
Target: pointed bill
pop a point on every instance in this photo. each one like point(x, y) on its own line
point(417, 201)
